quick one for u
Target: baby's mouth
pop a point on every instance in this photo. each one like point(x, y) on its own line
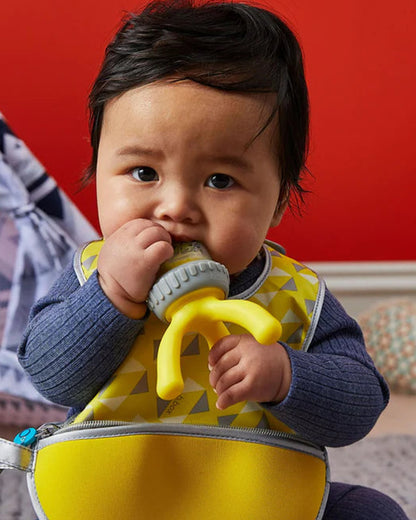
point(179, 239)
point(176, 242)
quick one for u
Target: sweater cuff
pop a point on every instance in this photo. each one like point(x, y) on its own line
point(332, 400)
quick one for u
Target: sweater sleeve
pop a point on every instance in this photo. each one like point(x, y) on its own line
point(336, 394)
point(75, 340)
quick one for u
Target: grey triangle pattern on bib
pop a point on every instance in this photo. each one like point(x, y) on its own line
point(88, 262)
point(226, 420)
point(142, 386)
point(298, 267)
point(162, 404)
point(290, 285)
point(263, 423)
point(310, 305)
point(202, 405)
point(296, 337)
point(193, 348)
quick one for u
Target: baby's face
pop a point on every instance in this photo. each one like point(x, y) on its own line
point(183, 155)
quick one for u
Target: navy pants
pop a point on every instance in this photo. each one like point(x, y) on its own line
point(349, 502)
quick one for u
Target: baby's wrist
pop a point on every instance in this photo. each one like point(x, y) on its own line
point(286, 377)
point(130, 308)
point(133, 310)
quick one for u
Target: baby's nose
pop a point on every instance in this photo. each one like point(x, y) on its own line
point(178, 205)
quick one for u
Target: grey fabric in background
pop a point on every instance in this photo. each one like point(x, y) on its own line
point(386, 463)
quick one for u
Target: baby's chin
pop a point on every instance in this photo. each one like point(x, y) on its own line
point(236, 271)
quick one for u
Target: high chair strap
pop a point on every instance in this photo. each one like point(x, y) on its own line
point(14, 456)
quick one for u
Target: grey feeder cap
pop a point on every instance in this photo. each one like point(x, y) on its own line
point(183, 279)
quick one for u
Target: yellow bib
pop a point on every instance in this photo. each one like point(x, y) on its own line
point(287, 289)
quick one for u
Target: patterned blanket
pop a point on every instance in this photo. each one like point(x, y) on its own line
point(39, 230)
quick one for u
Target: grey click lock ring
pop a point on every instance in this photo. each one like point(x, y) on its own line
point(183, 279)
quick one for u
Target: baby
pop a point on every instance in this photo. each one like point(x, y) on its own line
point(199, 127)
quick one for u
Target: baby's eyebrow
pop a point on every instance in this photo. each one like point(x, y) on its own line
point(138, 151)
point(231, 160)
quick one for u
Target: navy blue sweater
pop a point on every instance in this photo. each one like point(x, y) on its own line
point(76, 339)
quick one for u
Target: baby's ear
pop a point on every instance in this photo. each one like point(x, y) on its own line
point(279, 211)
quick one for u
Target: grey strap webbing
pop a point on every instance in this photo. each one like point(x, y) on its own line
point(14, 456)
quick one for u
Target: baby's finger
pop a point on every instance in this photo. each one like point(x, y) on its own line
point(152, 234)
point(225, 363)
point(158, 252)
point(133, 228)
point(221, 347)
point(232, 395)
point(228, 378)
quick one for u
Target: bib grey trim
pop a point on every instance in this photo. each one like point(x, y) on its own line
point(77, 264)
point(315, 315)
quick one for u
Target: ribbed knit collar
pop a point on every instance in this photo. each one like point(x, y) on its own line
point(244, 280)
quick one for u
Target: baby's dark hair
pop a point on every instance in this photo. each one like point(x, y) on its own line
point(227, 46)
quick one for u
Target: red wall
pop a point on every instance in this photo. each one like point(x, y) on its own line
point(361, 67)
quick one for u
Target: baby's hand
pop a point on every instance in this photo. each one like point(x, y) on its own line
point(129, 261)
point(244, 370)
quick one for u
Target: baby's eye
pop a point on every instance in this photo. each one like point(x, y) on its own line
point(144, 174)
point(220, 181)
